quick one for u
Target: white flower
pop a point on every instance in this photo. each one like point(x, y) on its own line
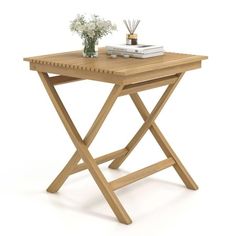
point(94, 28)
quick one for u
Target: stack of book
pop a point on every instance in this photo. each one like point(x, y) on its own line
point(137, 51)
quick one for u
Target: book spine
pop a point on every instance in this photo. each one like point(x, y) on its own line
point(135, 50)
point(136, 55)
point(147, 50)
point(141, 53)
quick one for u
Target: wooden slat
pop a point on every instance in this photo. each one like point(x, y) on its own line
point(77, 73)
point(105, 65)
point(101, 159)
point(61, 79)
point(142, 173)
point(161, 62)
point(159, 73)
point(134, 88)
point(116, 79)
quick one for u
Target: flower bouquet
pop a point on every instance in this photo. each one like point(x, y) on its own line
point(90, 31)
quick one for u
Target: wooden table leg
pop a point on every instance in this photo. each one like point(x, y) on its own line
point(64, 174)
point(165, 146)
point(92, 164)
point(148, 122)
point(89, 137)
point(99, 178)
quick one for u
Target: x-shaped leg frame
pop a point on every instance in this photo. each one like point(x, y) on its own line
point(118, 157)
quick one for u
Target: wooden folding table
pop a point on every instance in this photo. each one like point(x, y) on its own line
point(129, 77)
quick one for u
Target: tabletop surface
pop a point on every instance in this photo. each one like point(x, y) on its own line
point(116, 66)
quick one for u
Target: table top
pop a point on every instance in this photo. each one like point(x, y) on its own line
point(118, 68)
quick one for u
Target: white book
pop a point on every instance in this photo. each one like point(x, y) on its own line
point(141, 48)
point(135, 55)
point(147, 55)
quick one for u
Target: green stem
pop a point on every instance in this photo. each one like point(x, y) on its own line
point(89, 47)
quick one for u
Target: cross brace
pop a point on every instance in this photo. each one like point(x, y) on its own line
point(118, 157)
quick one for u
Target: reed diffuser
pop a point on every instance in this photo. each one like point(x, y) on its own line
point(131, 38)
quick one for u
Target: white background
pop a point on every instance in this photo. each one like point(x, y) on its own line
point(198, 121)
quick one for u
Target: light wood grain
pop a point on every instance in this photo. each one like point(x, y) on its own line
point(129, 76)
point(97, 175)
point(115, 79)
point(165, 146)
point(119, 70)
point(146, 125)
point(101, 159)
point(64, 174)
point(137, 87)
point(61, 79)
point(119, 66)
point(142, 173)
point(102, 114)
point(160, 73)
